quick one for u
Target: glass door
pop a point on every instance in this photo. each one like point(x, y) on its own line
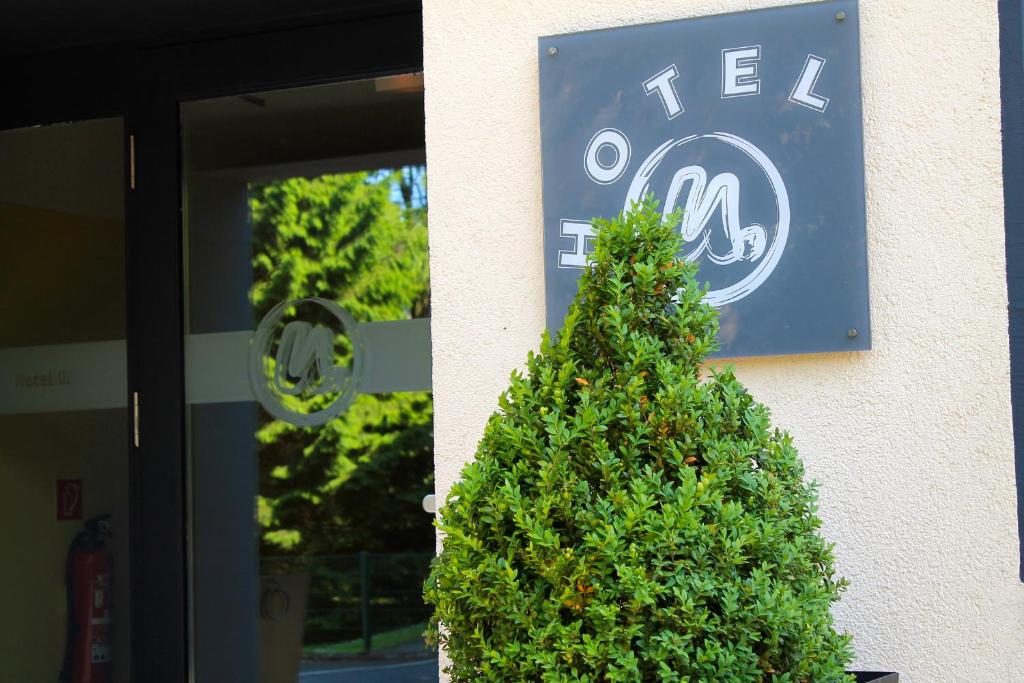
point(64, 422)
point(310, 417)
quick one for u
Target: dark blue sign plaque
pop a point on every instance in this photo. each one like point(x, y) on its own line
point(750, 123)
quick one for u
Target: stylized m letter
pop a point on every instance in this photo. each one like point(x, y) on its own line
point(304, 356)
point(723, 193)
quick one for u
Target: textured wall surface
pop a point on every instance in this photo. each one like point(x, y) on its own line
point(911, 441)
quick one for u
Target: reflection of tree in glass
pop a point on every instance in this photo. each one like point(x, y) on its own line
point(356, 483)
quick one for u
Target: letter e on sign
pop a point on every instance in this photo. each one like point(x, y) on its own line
point(739, 71)
point(69, 499)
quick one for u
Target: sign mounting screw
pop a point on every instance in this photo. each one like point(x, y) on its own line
point(852, 332)
point(840, 15)
point(552, 51)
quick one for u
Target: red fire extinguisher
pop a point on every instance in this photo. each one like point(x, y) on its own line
point(90, 586)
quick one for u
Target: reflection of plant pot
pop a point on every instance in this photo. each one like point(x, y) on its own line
point(283, 600)
point(876, 677)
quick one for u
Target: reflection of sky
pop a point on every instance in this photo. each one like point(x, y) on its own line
point(418, 174)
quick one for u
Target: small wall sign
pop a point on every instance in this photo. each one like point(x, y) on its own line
point(69, 499)
point(751, 124)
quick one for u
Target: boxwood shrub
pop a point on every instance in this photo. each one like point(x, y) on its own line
point(631, 514)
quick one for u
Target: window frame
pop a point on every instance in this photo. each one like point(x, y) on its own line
point(145, 86)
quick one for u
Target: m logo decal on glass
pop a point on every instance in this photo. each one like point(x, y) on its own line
point(297, 370)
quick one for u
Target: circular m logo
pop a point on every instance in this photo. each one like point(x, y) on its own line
point(715, 225)
point(735, 207)
point(306, 361)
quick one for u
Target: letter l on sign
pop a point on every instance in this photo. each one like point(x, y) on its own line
point(803, 91)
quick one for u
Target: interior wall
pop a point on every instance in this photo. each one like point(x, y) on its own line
point(35, 451)
point(71, 167)
point(46, 257)
point(61, 282)
point(911, 441)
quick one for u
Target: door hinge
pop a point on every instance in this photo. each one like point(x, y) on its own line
point(135, 417)
point(131, 161)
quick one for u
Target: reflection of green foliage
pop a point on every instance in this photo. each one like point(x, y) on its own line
point(355, 483)
point(340, 237)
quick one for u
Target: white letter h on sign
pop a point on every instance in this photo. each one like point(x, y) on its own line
point(583, 236)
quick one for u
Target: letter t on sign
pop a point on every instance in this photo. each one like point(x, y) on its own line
point(661, 83)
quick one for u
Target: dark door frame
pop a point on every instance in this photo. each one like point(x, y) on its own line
point(145, 85)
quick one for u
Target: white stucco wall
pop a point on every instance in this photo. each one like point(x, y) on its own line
point(911, 441)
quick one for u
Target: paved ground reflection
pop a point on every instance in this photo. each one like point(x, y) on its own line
point(418, 671)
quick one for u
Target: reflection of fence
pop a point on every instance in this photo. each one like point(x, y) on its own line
point(358, 595)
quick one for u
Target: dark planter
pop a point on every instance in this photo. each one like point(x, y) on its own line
point(876, 677)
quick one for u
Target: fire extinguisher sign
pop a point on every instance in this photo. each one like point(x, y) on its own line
point(69, 499)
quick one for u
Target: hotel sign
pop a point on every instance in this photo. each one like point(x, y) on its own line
point(751, 124)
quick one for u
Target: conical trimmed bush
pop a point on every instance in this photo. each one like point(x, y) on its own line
point(631, 515)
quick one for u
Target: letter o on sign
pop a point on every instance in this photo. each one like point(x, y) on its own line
point(607, 139)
